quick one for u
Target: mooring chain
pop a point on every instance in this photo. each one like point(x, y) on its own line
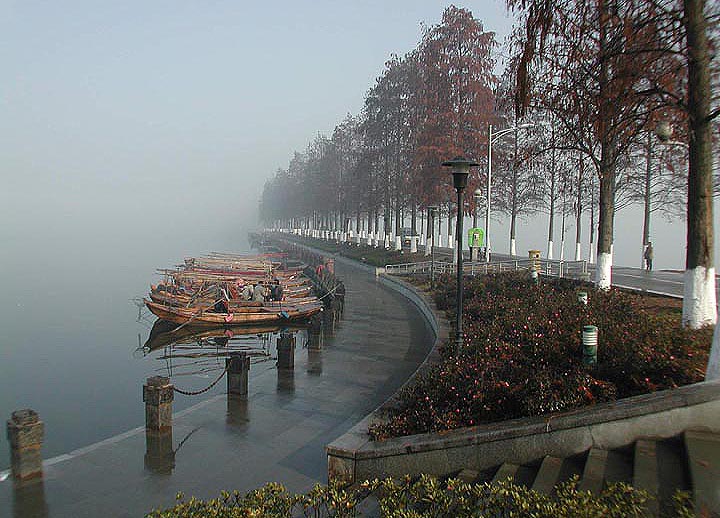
point(198, 392)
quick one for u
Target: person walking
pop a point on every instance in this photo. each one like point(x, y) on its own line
point(649, 256)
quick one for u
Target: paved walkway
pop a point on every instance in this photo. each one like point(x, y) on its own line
point(278, 434)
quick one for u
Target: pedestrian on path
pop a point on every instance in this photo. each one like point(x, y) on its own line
point(649, 256)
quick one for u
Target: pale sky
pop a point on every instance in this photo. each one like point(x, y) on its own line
point(122, 122)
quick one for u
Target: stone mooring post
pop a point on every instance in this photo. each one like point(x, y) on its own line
point(238, 373)
point(286, 351)
point(25, 433)
point(158, 396)
point(315, 333)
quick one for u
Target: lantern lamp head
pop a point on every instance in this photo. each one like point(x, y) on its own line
point(460, 170)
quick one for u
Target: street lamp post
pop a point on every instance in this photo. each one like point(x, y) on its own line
point(433, 214)
point(460, 170)
point(474, 249)
point(492, 138)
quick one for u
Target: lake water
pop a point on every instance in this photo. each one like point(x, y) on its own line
point(70, 331)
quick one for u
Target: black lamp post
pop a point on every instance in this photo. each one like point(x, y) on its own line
point(460, 170)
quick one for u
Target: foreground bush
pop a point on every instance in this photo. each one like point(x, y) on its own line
point(426, 497)
point(522, 355)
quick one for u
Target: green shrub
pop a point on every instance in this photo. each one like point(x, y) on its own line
point(424, 498)
point(522, 355)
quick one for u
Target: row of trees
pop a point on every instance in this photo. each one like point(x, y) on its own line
point(594, 79)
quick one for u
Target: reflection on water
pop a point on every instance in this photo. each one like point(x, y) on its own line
point(159, 452)
point(238, 411)
point(201, 352)
point(314, 363)
point(285, 381)
point(29, 499)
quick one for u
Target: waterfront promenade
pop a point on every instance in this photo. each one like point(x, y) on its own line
point(277, 434)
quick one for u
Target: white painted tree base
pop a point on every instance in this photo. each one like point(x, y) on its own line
point(699, 304)
point(513, 250)
point(451, 241)
point(603, 272)
point(550, 250)
point(398, 243)
point(413, 245)
point(578, 251)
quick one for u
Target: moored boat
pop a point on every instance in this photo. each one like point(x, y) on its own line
point(234, 316)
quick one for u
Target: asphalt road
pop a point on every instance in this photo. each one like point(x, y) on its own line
point(667, 282)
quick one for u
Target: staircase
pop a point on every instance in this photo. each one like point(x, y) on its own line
point(688, 462)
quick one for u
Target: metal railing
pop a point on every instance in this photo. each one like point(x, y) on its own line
point(548, 267)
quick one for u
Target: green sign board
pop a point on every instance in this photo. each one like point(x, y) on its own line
point(476, 237)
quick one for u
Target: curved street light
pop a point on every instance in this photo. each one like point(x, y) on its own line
point(492, 138)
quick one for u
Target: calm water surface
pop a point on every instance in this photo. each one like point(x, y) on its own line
point(69, 346)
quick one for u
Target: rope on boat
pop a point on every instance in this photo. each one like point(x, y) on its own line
point(198, 392)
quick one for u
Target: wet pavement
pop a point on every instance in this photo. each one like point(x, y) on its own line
point(224, 442)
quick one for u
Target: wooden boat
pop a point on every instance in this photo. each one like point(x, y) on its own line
point(207, 317)
point(170, 299)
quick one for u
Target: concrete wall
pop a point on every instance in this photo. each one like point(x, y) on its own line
point(353, 457)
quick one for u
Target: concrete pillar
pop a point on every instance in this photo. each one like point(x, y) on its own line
point(25, 432)
point(158, 396)
point(315, 333)
point(159, 453)
point(286, 351)
point(238, 371)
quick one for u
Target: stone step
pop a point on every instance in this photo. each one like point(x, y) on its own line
point(369, 506)
point(469, 476)
point(645, 472)
point(571, 467)
point(506, 471)
point(672, 472)
point(594, 473)
point(548, 475)
point(619, 466)
point(703, 450)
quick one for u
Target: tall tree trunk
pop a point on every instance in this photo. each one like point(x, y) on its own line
point(699, 293)
point(562, 221)
point(591, 246)
point(513, 203)
point(579, 211)
point(553, 198)
point(603, 272)
point(646, 199)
